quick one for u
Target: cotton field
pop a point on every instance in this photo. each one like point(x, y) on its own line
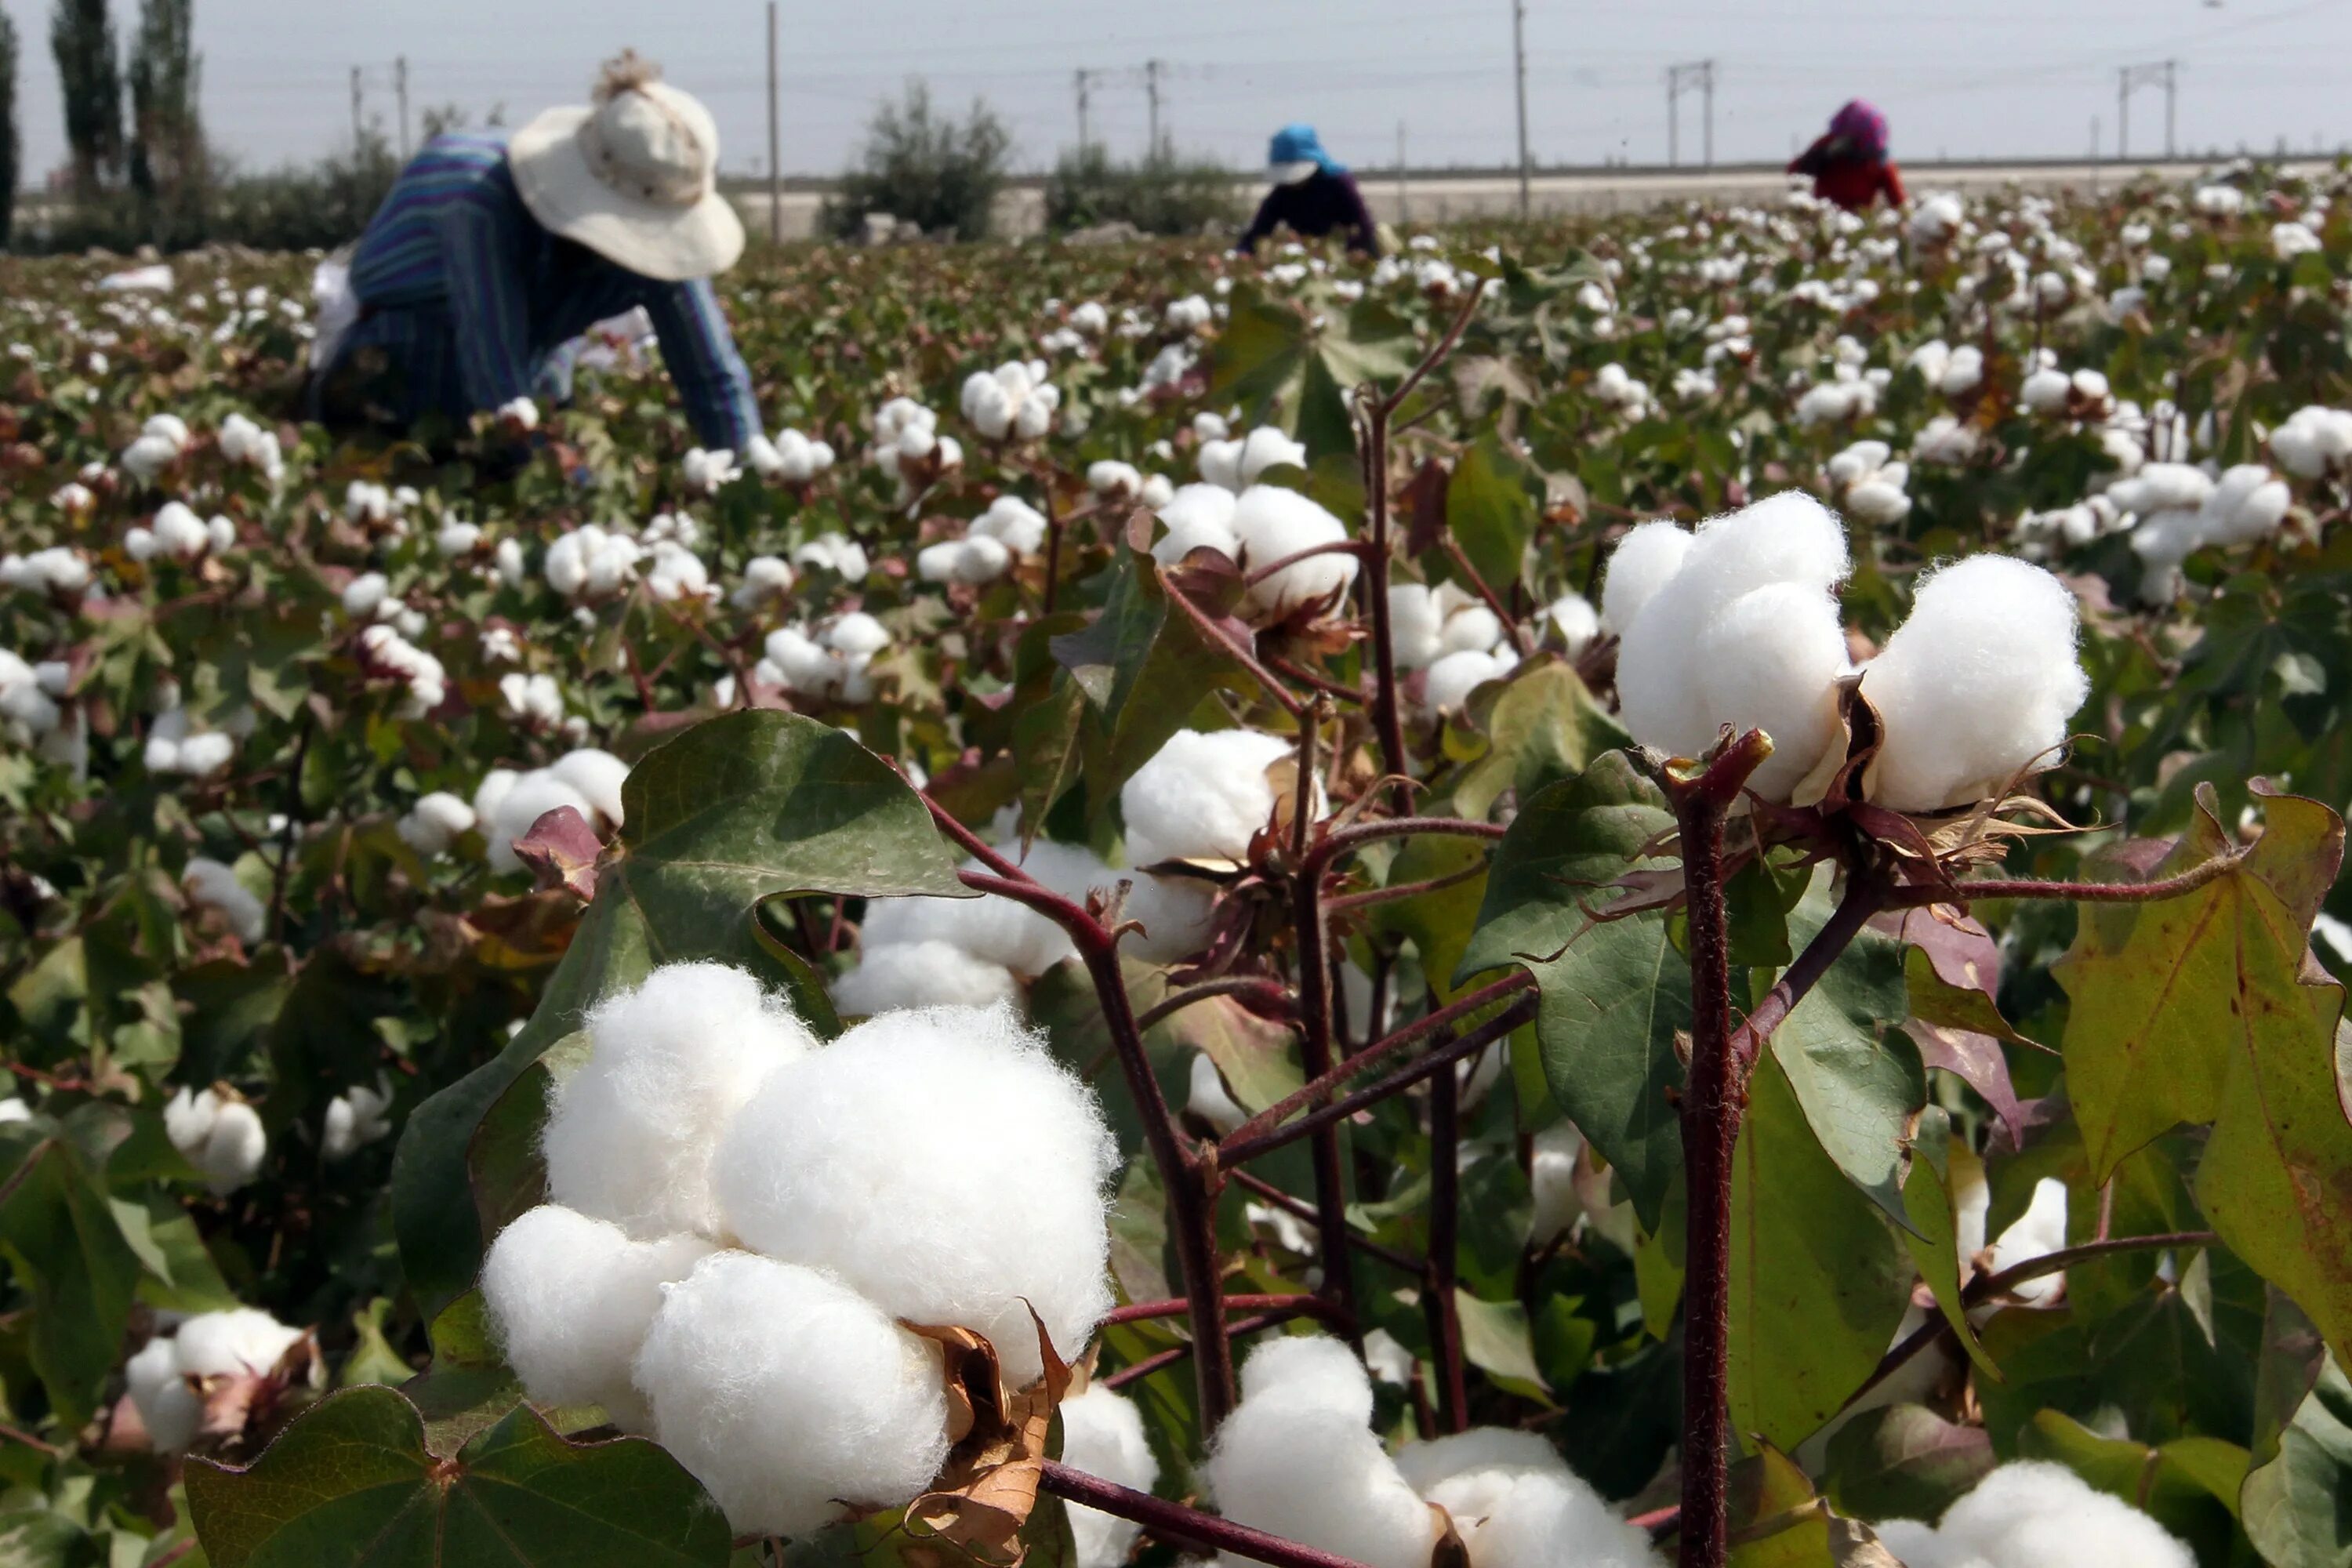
point(1582, 897)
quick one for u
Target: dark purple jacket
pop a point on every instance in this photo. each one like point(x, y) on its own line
point(1313, 208)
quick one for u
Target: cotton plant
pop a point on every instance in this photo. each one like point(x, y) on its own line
point(742, 1222)
point(2179, 510)
point(908, 448)
point(1867, 484)
point(1260, 530)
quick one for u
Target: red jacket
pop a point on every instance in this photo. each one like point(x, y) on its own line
point(1852, 182)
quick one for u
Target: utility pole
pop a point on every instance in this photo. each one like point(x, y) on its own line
point(1084, 79)
point(2130, 79)
point(2171, 83)
point(1681, 78)
point(1152, 69)
point(400, 91)
point(357, 133)
point(1404, 191)
point(1519, 75)
point(775, 141)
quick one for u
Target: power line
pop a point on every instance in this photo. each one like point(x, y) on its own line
point(1699, 74)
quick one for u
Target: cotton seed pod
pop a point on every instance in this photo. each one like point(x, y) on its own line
point(1102, 1435)
point(1202, 797)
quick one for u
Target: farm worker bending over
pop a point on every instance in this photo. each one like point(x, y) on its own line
point(1849, 165)
point(487, 255)
point(1313, 193)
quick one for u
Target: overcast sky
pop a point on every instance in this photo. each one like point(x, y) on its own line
point(1957, 77)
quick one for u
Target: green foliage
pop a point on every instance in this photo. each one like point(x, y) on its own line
point(90, 83)
point(922, 167)
point(1158, 193)
point(168, 165)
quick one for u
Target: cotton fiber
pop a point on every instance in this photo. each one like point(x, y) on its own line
point(214, 887)
point(1974, 685)
point(1548, 1519)
point(355, 1119)
point(1575, 622)
point(630, 1135)
point(221, 1137)
point(1296, 1459)
point(1274, 524)
point(1551, 1180)
point(931, 972)
point(2033, 1514)
point(1649, 554)
point(1236, 464)
point(1102, 1435)
point(1745, 633)
point(1202, 797)
point(243, 1341)
point(2314, 440)
point(1470, 1474)
point(1452, 679)
point(1197, 517)
point(942, 1164)
point(792, 1399)
point(571, 1298)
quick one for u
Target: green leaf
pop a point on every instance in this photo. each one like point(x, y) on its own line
point(1491, 506)
point(1496, 1339)
point(1818, 1281)
point(1438, 922)
point(1857, 1077)
point(62, 1240)
point(740, 808)
point(2294, 1507)
point(1904, 1461)
point(352, 1483)
point(1612, 994)
point(1932, 1238)
point(1544, 727)
point(2199, 1009)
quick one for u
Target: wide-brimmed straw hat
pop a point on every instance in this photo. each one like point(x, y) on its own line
point(634, 176)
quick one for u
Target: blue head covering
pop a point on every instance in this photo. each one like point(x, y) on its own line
point(1298, 143)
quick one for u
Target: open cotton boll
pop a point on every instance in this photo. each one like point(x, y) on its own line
point(789, 1395)
point(2040, 1231)
point(222, 1138)
point(355, 1119)
point(2034, 1514)
point(894, 976)
point(531, 797)
point(1197, 517)
point(598, 776)
point(1236, 464)
point(1976, 685)
point(1176, 914)
point(1575, 622)
point(2312, 440)
point(1469, 1474)
point(570, 1300)
point(1416, 624)
point(1012, 522)
point(1771, 661)
point(168, 1407)
point(1454, 676)
point(1201, 797)
point(1551, 1180)
point(1102, 1435)
point(1273, 524)
point(1207, 1097)
point(1296, 1459)
point(972, 561)
point(1310, 1369)
point(1644, 559)
point(2162, 487)
point(1546, 1520)
point(214, 887)
point(944, 1165)
point(630, 1134)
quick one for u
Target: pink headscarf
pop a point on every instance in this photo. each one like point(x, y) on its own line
point(1862, 128)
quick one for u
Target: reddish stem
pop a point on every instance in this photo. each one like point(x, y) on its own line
point(1286, 1303)
point(1314, 1054)
point(1179, 1525)
point(2187, 881)
point(1443, 1310)
point(1245, 658)
point(1298, 1206)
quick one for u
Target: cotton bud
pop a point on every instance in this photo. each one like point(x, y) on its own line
point(1235, 464)
point(1745, 633)
point(791, 1398)
point(222, 1138)
point(1102, 1435)
point(1296, 1459)
point(213, 887)
point(570, 1300)
point(1975, 686)
point(630, 1136)
point(2030, 1513)
point(1202, 797)
point(436, 821)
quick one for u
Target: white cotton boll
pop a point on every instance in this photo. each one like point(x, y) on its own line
point(2037, 1233)
point(179, 532)
point(355, 1119)
point(2162, 487)
point(2035, 1514)
point(991, 930)
point(494, 788)
point(1977, 684)
point(148, 456)
point(765, 577)
point(789, 1397)
point(895, 976)
point(1273, 524)
point(1545, 1520)
point(222, 1139)
point(1292, 1461)
point(1201, 796)
point(508, 559)
point(212, 885)
point(1474, 628)
point(883, 1158)
point(1769, 660)
point(709, 472)
point(2247, 504)
point(1471, 1474)
point(1310, 1369)
point(856, 633)
point(1197, 516)
point(531, 797)
point(1451, 680)
point(974, 560)
point(203, 755)
point(631, 1134)
point(1208, 426)
point(1963, 373)
point(1012, 522)
point(2044, 392)
point(678, 573)
point(1578, 623)
point(534, 699)
point(1208, 1099)
point(1416, 624)
point(571, 1298)
point(1551, 1182)
point(1643, 562)
point(240, 1342)
point(1102, 1435)
point(168, 1407)
point(597, 775)
point(2312, 440)
point(1176, 914)
point(1114, 480)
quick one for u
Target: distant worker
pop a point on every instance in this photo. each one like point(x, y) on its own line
point(1849, 165)
point(489, 254)
point(1313, 194)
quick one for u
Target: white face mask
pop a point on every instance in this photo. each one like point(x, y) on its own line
point(1294, 174)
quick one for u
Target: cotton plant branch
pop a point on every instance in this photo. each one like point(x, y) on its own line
point(1182, 1526)
point(2163, 888)
point(1315, 1032)
point(1188, 1177)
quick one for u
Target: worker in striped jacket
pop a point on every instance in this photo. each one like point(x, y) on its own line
point(490, 255)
